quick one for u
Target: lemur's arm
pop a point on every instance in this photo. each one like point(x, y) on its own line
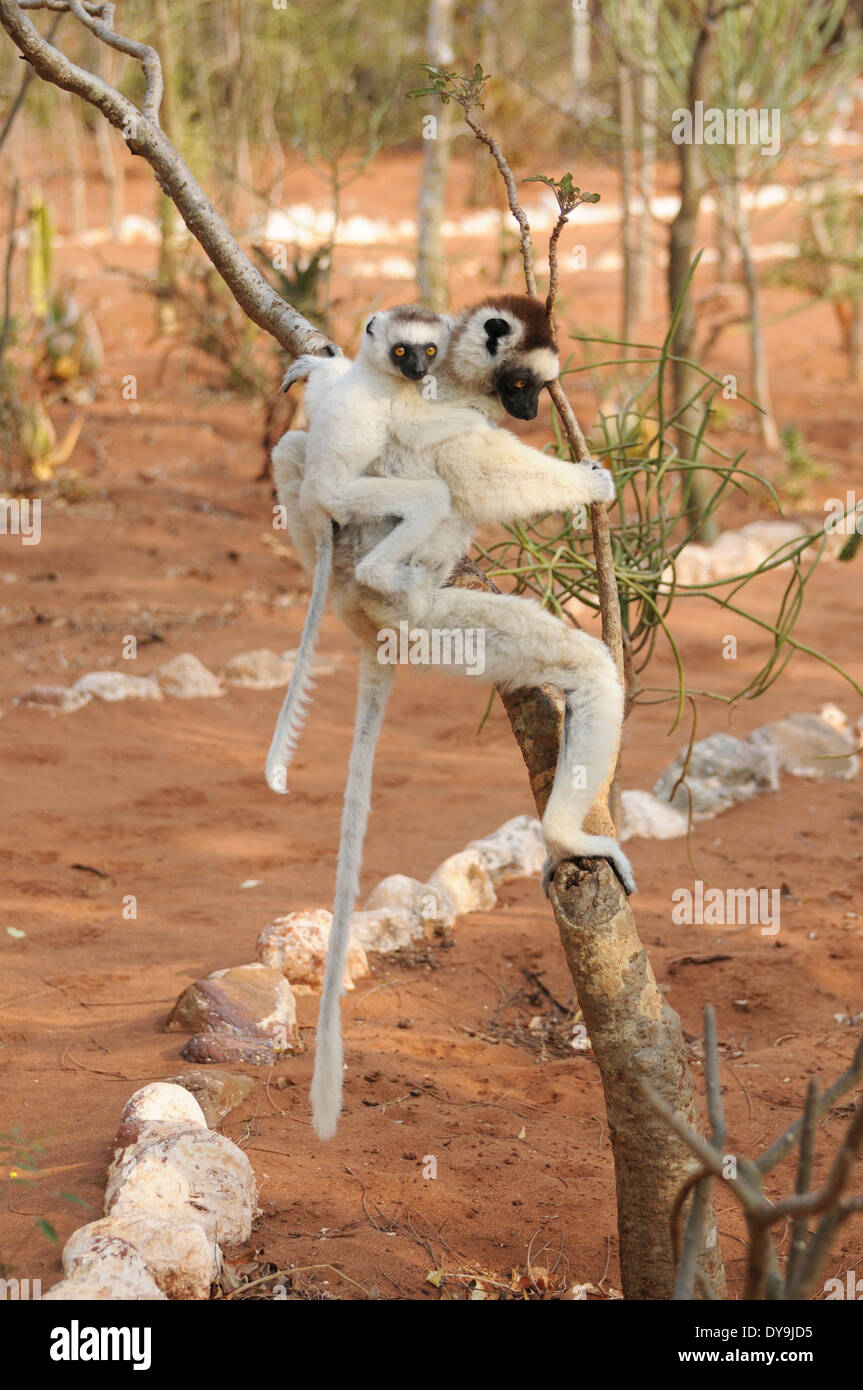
point(428, 424)
point(320, 374)
point(493, 477)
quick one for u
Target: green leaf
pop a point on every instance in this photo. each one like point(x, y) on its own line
point(48, 1230)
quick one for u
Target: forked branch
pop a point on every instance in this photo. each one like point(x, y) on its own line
point(743, 1177)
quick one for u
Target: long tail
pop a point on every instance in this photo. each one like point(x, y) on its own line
point(292, 715)
point(374, 688)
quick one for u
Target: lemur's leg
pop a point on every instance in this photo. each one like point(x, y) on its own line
point(421, 504)
point(514, 643)
point(289, 457)
point(289, 462)
point(374, 687)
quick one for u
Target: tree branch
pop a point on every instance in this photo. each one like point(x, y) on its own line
point(143, 136)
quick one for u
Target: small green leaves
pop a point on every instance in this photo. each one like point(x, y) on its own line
point(568, 196)
point(449, 86)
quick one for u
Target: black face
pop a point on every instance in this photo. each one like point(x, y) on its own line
point(518, 392)
point(414, 360)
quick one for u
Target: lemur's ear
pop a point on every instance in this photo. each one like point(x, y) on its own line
point(495, 329)
point(369, 326)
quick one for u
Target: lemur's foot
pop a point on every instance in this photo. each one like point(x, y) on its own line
point(390, 580)
point(610, 851)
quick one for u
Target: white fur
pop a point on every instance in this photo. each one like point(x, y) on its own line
point(326, 1093)
point(490, 477)
point(355, 411)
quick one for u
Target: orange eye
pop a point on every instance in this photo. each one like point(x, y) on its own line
point(399, 351)
point(519, 385)
point(431, 351)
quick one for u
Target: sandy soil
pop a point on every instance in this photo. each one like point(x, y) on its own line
point(167, 802)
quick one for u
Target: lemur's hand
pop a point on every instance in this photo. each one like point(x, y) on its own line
point(600, 481)
point(301, 369)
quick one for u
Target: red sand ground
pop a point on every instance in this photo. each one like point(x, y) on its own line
point(167, 802)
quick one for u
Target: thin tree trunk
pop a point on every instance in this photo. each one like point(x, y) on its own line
point(169, 222)
point(649, 95)
point(78, 183)
point(115, 177)
point(489, 24)
point(580, 57)
point(630, 227)
point(685, 379)
point(758, 355)
point(723, 245)
point(431, 262)
point(855, 342)
point(633, 1032)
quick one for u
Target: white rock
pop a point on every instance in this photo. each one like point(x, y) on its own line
point(426, 910)
point(648, 818)
point(809, 745)
point(105, 1287)
point(384, 930)
point(515, 850)
point(220, 1183)
point(261, 669)
point(297, 945)
point(63, 698)
point(160, 1100)
point(95, 1258)
point(116, 685)
point(186, 678)
point(173, 1245)
point(733, 552)
point(722, 771)
point(465, 881)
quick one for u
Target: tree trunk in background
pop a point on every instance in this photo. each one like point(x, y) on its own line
point(114, 175)
point(633, 1032)
point(78, 181)
point(235, 65)
point(630, 222)
point(112, 151)
point(723, 245)
point(849, 316)
point(169, 222)
point(581, 35)
point(484, 174)
point(685, 380)
point(431, 264)
point(649, 105)
point(758, 354)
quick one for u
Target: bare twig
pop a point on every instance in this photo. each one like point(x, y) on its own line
point(687, 1269)
point(744, 1177)
point(800, 1225)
